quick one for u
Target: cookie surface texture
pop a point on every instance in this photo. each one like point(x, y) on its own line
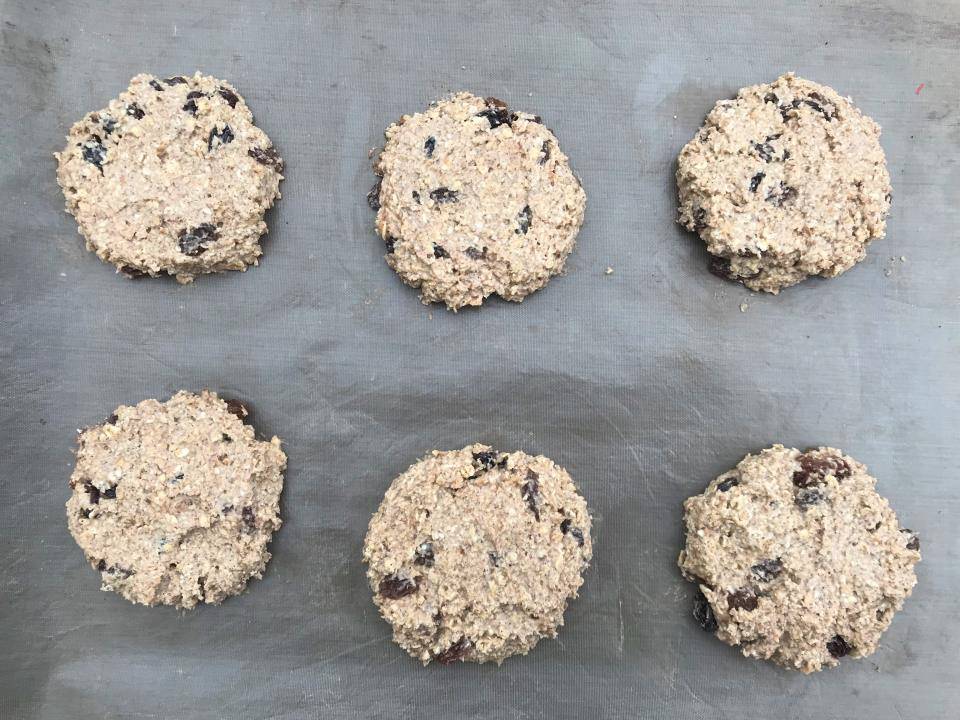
point(474, 554)
point(786, 181)
point(174, 503)
point(797, 557)
point(171, 177)
point(474, 200)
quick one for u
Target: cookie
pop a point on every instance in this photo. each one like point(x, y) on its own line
point(171, 177)
point(174, 503)
point(786, 181)
point(798, 559)
point(473, 554)
point(475, 200)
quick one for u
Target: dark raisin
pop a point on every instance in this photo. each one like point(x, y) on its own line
point(176, 80)
point(249, 518)
point(439, 252)
point(805, 497)
point(194, 241)
point(270, 158)
point(444, 195)
point(190, 106)
point(524, 219)
point(786, 155)
point(771, 98)
point(108, 124)
point(565, 525)
point(475, 254)
point(913, 540)
point(720, 267)
point(156, 86)
point(238, 408)
point(112, 419)
point(110, 493)
point(742, 599)
point(767, 570)
point(390, 241)
point(838, 647)
point(544, 152)
point(494, 559)
point(135, 111)
point(703, 613)
point(416, 197)
point(395, 586)
point(455, 652)
point(430, 145)
point(530, 492)
point(194, 94)
point(373, 197)
point(94, 151)
point(121, 571)
point(132, 272)
point(226, 438)
point(202, 588)
point(814, 469)
point(764, 150)
point(424, 554)
point(756, 180)
point(229, 95)
point(485, 459)
point(782, 194)
point(93, 491)
point(102, 565)
point(219, 137)
point(496, 113)
point(85, 512)
point(785, 112)
point(699, 219)
point(575, 532)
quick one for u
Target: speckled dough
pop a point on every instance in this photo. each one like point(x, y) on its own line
point(173, 177)
point(786, 181)
point(475, 200)
point(174, 503)
point(798, 559)
point(474, 554)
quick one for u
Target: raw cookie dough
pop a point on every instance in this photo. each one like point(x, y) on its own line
point(474, 553)
point(798, 559)
point(173, 177)
point(785, 181)
point(174, 503)
point(474, 200)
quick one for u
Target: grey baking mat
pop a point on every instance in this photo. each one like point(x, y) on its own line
point(645, 383)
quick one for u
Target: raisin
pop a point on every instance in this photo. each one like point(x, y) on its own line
point(93, 491)
point(575, 532)
point(416, 197)
point(112, 419)
point(110, 493)
point(108, 124)
point(524, 219)
point(455, 652)
point(176, 80)
point(226, 438)
point(784, 193)
point(699, 219)
point(238, 408)
point(913, 541)
point(838, 647)
point(742, 599)
point(485, 459)
point(395, 586)
point(439, 252)
point(102, 565)
point(190, 106)
point(94, 151)
point(229, 95)
point(496, 113)
point(135, 111)
point(219, 137)
point(530, 492)
point(132, 272)
point(767, 570)
point(390, 241)
point(814, 469)
point(719, 266)
point(494, 559)
point(249, 518)
point(85, 512)
point(703, 613)
point(202, 588)
point(424, 554)
point(194, 241)
point(269, 157)
point(544, 152)
point(373, 197)
point(756, 180)
point(475, 254)
point(764, 150)
point(121, 571)
point(771, 98)
point(444, 195)
point(429, 146)
point(156, 86)
point(805, 497)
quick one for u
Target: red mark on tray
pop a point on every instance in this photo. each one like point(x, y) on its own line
point(920, 87)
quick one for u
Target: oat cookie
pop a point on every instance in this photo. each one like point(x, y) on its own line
point(174, 503)
point(172, 176)
point(798, 559)
point(475, 200)
point(785, 181)
point(473, 554)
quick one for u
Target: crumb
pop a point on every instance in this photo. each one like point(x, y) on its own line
point(744, 306)
point(903, 258)
point(888, 272)
point(608, 271)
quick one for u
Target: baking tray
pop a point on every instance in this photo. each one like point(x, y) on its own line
point(644, 383)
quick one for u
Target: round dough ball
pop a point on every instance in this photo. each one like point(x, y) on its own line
point(172, 176)
point(174, 503)
point(474, 554)
point(798, 559)
point(474, 200)
point(785, 181)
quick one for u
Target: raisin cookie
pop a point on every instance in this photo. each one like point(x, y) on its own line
point(174, 503)
point(473, 200)
point(474, 554)
point(798, 559)
point(172, 176)
point(785, 181)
